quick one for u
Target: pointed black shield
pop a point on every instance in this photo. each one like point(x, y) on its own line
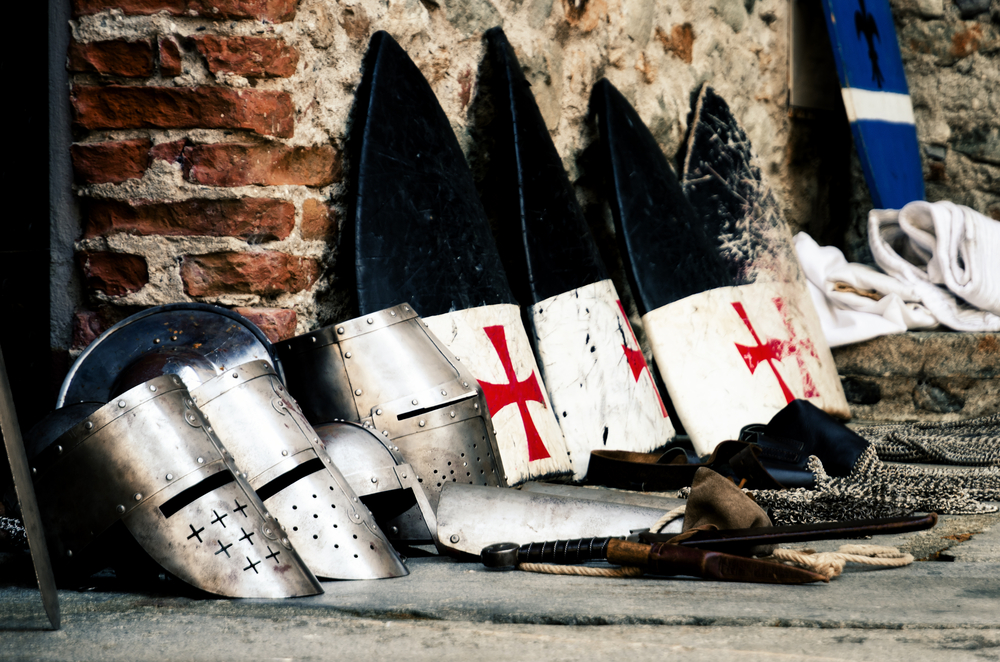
point(663, 242)
point(550, 250)
point(421, 233)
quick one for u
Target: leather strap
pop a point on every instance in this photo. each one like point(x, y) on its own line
point(657, 472)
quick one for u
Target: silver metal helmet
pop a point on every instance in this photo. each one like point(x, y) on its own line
point(389, 373)
point(149, 460)
point(380, 475)
point(282, 457)
point(227, 364)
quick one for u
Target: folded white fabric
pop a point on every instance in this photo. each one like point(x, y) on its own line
point(925, 244)
point(854, 301)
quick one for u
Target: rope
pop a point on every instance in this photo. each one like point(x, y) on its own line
point(590, 571)
point(831, 564)
point(583, 570)
point(667, 518)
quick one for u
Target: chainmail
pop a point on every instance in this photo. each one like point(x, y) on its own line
point(12, 535)
point(972, 443)
point(875, 489)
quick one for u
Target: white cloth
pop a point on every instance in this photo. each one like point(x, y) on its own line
point(848, 317)
point(926, 244)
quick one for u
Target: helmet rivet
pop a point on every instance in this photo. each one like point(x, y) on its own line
point(422, 423)
point(89, 425)
point(173, 337)
point(201, 460)
point(357, 515)
point(404, 476)
point(444, 392)
point(340, 330)
point(396, 448)
point(413, 401)
point(357, 392)
point(267, 530)
point(69, 552)
point(378, 412)
point(120, 509)
point(284, 541)
point(137, 496)
point(347, 355)
point(370, 320)
point(59, 449)
point(121, 403)
point(313, 339)
point(477, 405)
point(177, 380)
point(453, 414)
point(454, 538)
point(465, 384)
point(170, 476)
point(385, 433)
point(355, 499)
point(208, 428)
point(374, 479)
point(285, 453)
point(152, 388)
point(156, 341)
point(393, 313)
point(236, 375)
point(34, 471)
point(395, 530)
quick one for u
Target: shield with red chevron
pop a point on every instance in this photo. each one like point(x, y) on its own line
point(594, 371)
point(725, 306)
point(422, 237)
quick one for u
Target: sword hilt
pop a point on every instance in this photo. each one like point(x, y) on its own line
point(560, 552)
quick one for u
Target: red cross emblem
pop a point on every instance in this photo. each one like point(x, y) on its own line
point(636, 361)
point(499, 396)
point(778, 350)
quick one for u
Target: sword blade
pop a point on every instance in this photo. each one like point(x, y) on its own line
point(26, 497)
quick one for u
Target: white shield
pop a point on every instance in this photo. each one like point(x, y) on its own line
point(737, 355)
point(492, 343)
point(599, 384)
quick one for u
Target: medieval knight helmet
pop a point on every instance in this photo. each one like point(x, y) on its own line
point(387, 372)
point(226, 362)
point(149, 460)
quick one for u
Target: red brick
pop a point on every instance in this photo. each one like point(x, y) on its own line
point(277, 323)
point(87, 326)
point(256, 57)
point(170, 57)
point(318, 220)
point(110, 162)
point(169, 152)
point(266, 112)
point(249, 218)
point(115, 274)
point(115, 58)
point(273, 11)
point(265, 273)
point(240, 164)
point(129, 7)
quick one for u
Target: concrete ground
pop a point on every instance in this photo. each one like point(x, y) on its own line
point(946, 607)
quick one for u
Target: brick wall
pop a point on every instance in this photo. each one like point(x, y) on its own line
point(208, 137)
point(192, 182)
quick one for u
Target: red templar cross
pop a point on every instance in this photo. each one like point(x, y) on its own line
point(499, 396)
point(636, 361)
point(778, 350)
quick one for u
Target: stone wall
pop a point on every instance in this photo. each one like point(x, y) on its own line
point(209, 134)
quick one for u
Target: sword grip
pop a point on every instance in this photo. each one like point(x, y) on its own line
point(564, 552)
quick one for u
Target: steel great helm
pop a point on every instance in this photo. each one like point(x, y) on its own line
point(149, 460)
point(226, 362)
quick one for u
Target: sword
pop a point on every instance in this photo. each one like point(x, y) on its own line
point(657, 559)
point(737, 541)
point(26, 497)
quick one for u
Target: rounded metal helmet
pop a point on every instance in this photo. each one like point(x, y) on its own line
point(389, 373)
point(149, 460)
point(252, 414)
